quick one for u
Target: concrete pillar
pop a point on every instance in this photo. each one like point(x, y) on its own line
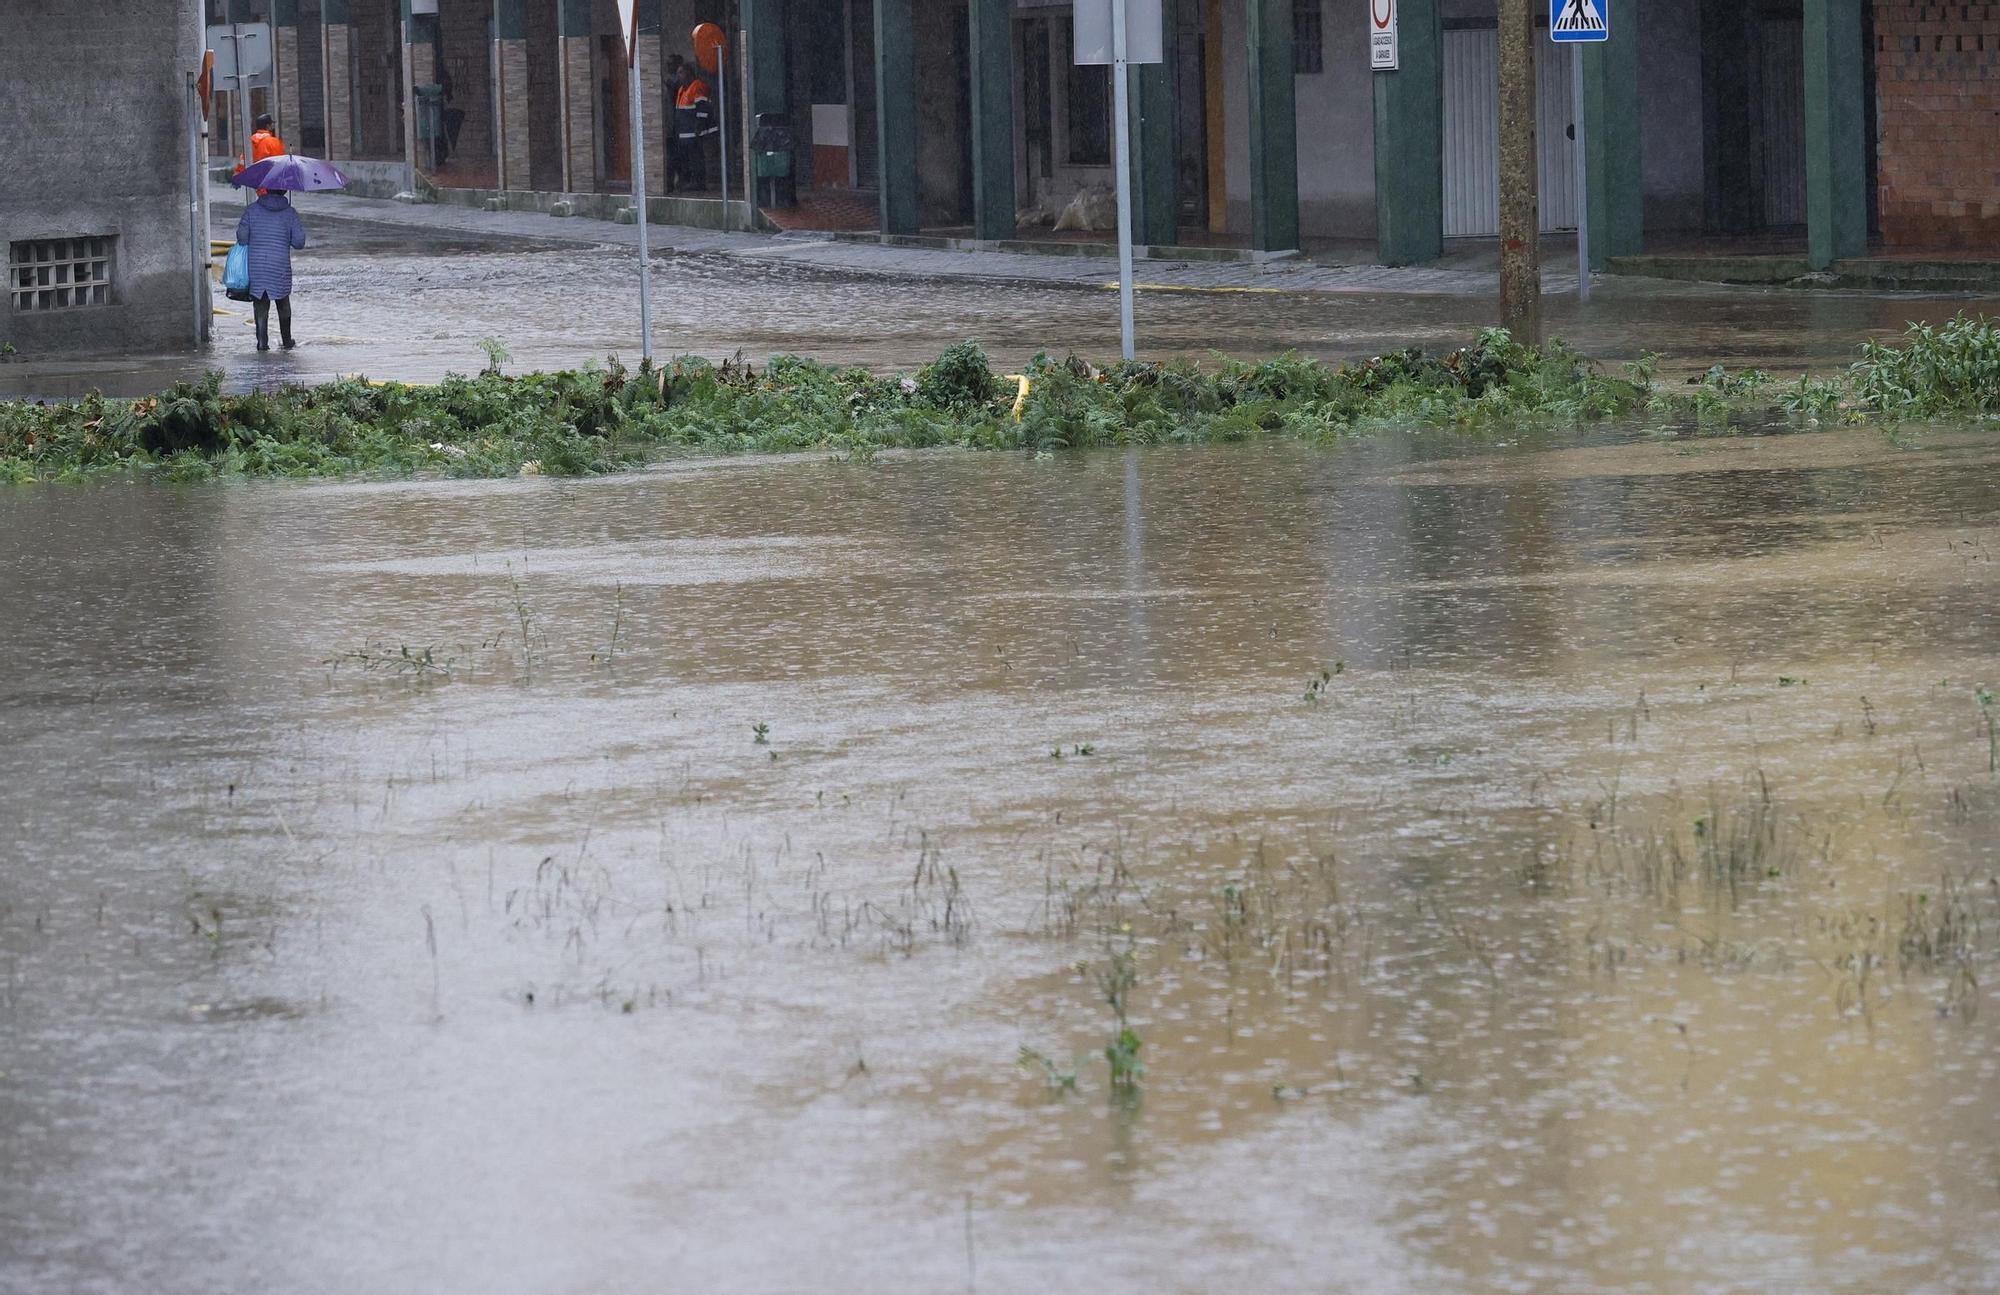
point(992, 58)
point(1274, 154)
point(1612, 139)
point(579, 114)
point(896, 115)
point(1409, 141)
point(1836, 161)
point(1155, 165)
point(337, 37)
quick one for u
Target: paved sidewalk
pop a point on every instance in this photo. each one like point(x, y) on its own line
point(810, 251)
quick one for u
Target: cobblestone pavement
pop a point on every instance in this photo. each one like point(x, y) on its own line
point(410, 292)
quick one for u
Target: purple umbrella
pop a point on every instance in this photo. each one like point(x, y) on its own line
point(292, 172)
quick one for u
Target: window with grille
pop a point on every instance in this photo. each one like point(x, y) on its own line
point(1307, 56)
point(60, 273)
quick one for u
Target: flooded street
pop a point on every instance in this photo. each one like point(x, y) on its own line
point(1549, 862)
point(409, 304)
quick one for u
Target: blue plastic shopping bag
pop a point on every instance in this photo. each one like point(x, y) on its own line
point(236, 270)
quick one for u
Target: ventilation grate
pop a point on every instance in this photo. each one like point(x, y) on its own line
point(60, 273)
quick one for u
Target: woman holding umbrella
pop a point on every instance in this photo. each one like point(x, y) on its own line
point(271, 229)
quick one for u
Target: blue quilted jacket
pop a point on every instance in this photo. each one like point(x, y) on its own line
point(272, 228)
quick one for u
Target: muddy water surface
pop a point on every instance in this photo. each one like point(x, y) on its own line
point(1525, 865)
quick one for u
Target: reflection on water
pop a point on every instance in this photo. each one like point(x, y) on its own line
point(1543, 866)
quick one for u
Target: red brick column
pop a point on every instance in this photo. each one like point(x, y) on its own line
point(580, 114)
point(512, 97)
point(339, 92)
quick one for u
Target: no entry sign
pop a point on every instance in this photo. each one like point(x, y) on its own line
point(1382, 35)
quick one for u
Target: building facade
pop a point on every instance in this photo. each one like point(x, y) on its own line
point(1821, 122)
point(97, 221)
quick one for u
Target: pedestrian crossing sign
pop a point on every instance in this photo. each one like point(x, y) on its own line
point(1579, 20)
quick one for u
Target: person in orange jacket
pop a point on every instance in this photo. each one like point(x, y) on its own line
point(264, 142)
point(694, 121)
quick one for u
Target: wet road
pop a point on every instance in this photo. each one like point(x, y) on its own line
point(391, 302)
point(1539, 866)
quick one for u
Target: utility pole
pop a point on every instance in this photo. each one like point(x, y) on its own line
point(1520, 224)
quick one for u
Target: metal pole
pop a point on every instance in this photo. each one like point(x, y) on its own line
point(1582, 177)
point(1122, 126)
point(197, 213)
point(639, 201)
point(403, 27)
point(242, 104)
point(722, 122)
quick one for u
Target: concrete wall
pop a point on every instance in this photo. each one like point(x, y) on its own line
point(1336, 126)
point(1672, 174)
point(107, 81)
point(1336, 113)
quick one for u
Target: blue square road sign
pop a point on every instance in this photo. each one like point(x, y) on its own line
point(1579, 20)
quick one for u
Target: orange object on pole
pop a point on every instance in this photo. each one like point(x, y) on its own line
point(205, 87)
point(708, 41)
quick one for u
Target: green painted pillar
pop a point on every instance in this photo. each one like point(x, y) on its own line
point(573, 18)
point(333, 13)
point(1836, 158)
point(1409, 141)
point(1155, 181)
point(284, 13)
point(1611, 137)
point(896, 116)
point(764, 34)
point(992, 55)
point(1274, 152)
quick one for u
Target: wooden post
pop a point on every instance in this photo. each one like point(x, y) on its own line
point(1520, 254)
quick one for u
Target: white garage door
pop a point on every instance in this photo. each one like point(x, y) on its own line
point(1472, 134)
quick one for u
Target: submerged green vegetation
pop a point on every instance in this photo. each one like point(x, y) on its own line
point(597, 420)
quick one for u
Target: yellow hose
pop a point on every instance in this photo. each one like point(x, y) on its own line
point(1021, 398)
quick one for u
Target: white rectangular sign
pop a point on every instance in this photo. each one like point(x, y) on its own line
point(1145, 40)
point(1382, 36)
point(243, 47)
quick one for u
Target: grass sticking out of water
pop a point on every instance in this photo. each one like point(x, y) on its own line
point(578, 423)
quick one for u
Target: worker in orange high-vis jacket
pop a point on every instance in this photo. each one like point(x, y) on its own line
point(264, 142)
point(694, 122)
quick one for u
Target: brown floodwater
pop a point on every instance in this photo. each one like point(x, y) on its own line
point(1539, 863)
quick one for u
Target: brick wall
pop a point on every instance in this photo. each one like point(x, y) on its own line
point(652, 102)
point(514, 123)
point(339, 106)
point(288, 86)
point(1937, 102)
point(580, 114)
